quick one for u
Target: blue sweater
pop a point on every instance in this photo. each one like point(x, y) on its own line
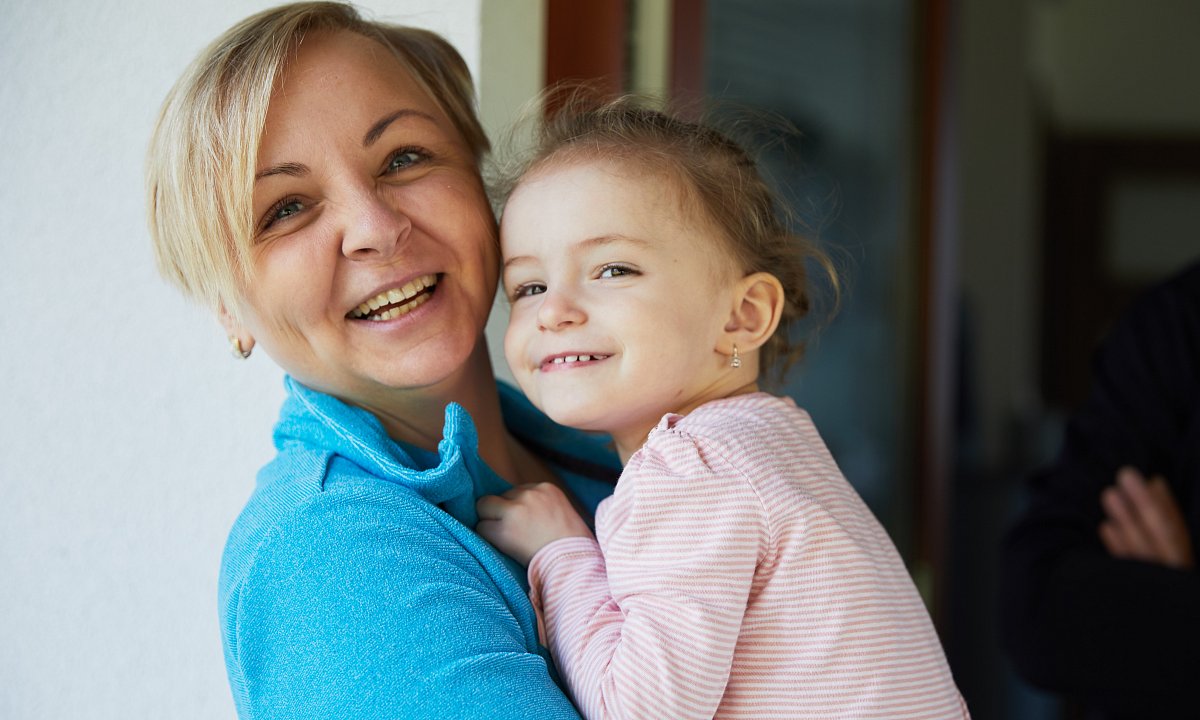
point(353, 586)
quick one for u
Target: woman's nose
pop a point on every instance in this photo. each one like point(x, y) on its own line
point(559, 310)
point(373, 228)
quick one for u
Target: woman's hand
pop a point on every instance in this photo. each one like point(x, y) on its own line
point(527, 518)
point(1144, 522)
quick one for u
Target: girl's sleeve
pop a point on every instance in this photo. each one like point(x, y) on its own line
point(356, 611)
point(647, 628)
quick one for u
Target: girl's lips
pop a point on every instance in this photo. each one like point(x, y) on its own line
point(565, 361)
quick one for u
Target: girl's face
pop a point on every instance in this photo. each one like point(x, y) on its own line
point(375, 259)
point(620, 293)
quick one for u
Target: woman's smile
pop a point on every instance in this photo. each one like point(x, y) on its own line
point(397, 301)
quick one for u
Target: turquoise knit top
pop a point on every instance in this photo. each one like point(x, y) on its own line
point(353, 585)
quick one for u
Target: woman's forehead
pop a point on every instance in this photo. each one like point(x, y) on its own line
point(342, 83)
point(340, 64)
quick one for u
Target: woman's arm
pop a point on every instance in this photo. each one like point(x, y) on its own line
point(365, 608)
point(649, 628)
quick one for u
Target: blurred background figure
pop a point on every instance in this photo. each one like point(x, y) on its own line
point(1100, 593)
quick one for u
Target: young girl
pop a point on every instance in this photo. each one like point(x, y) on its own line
point(734, 573)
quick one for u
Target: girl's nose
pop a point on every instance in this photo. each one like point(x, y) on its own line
point(558, 310)
point(374, 228)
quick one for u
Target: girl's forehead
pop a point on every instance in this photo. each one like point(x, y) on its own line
point(573, 199)
point(623, 170)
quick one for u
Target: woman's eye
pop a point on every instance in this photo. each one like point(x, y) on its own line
point(281, 210)
point(528, 289)
point(612, 271)
point(286, 210)
point(403, 160)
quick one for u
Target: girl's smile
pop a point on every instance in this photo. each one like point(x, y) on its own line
point(571, 360)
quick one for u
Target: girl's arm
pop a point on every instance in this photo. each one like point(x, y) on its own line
point(648, 629)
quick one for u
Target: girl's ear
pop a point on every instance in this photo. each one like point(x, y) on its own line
point(757, 308)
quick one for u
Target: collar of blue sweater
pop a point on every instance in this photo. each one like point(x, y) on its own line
point(453, 477)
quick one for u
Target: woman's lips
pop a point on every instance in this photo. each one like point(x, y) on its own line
point(395, 302)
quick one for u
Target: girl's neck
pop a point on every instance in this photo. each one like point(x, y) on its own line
point(630, 440)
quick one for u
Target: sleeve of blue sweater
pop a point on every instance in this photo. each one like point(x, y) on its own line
point(368, 606)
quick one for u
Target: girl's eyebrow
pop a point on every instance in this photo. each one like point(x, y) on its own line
point(586, 244)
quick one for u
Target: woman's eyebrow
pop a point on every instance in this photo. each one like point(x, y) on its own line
point(382, 124)
point(293, 169)
point(376, 131)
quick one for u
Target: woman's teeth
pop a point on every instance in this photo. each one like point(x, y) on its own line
point(410, 297)
point(399, 309)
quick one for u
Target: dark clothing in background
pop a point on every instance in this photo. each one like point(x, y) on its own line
point(1121, 637)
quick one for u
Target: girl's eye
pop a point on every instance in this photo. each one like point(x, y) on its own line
point(528, 289)
point(612, 271)
point(281, 210)
point(404, 159)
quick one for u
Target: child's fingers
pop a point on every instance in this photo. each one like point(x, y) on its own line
point(492, 507)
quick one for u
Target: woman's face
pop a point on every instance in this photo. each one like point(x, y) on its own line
point(375, 259)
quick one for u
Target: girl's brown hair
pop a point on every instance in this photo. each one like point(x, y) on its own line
point(715, 173)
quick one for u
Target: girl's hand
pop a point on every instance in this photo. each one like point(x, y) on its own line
point(527, 518)
point(1144, 522)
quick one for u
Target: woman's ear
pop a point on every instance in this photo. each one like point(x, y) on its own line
point(241, 342)
point(757, 308)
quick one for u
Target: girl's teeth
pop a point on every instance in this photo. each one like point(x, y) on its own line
point(576, 358)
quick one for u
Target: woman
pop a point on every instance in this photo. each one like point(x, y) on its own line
point(314, 178)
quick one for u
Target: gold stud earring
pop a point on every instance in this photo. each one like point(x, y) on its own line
point(235, 347)
point(735, 361)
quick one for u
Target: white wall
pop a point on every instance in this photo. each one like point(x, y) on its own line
point(129, 436)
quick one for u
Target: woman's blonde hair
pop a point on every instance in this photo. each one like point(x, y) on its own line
point(717, 176)
point(201, 160)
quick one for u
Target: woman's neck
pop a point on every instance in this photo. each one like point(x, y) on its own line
point(417, 417)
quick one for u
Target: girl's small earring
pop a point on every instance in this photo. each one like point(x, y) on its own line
point(735, 361)
point(235, 347)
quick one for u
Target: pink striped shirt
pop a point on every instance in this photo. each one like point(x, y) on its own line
point(736, 574)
